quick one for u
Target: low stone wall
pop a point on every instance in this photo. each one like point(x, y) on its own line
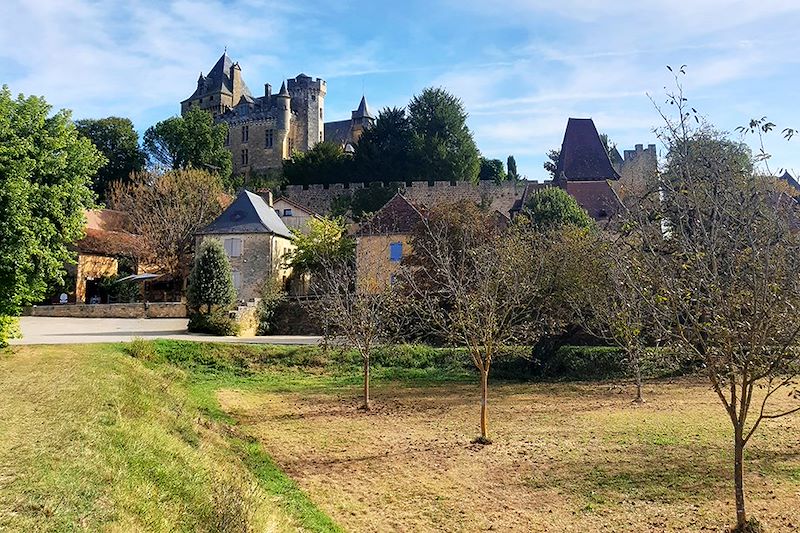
point(130, 310)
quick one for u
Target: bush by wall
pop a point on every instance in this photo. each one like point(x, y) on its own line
point(216, 323)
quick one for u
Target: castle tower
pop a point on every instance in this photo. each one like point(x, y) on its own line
point(308, 102)
point(220, 90)
point(283, 120)
point(361, 119)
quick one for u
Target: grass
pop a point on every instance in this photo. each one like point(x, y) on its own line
point(150, 435)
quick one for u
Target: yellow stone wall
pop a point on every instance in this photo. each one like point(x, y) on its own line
point(92, 267)
point(374, 268)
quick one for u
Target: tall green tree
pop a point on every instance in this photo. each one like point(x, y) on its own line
point(444, 148)
point(326, 241)
point(511, 165)
point(492, 169)
point(46, 168)
point(193, 140)
point(118, 141)
point(211, 279)
point(326, 162)
point(553, 207)
point(384, 151)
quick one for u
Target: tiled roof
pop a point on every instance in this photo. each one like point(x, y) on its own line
point(397, 216)
point(596, 197)
point(337, 132)
point(218, 79)
point(789, 179)
point(583, 156)
point(249, 213)
point(108, 234)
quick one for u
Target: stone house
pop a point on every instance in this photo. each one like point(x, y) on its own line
point(256, 242)
point(293, 214)
point(264, 130)
point(383, 242)
point(107, 241)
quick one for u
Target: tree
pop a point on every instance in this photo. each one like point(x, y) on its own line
point(444, 149)
point(325, 242)
point(46, 169)
point(552, 207)
point(192, 140)
point(511, 164)
point(723, 243)
point(383, 151)
point(479, 286)
point(357, 318)
point(326, 162)
point(118, 141)
point(491, 169)
point(211, 279)
point(551, 164)
point(167, 210)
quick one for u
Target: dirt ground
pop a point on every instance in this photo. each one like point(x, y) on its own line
point(565, 457)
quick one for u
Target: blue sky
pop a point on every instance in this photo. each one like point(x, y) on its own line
point(522, 67)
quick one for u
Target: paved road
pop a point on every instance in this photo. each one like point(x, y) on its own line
point(52, 330)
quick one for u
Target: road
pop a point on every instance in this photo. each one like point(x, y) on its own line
point(57, 330)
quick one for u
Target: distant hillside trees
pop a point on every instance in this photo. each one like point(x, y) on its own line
point(492, 169)
point(326, 162)
point(118, 141)
point(189, 141)
point(46, 170)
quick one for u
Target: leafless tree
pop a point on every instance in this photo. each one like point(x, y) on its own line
point(357, 317)
point(724, 245)
point(167, 210)
point(479, 286)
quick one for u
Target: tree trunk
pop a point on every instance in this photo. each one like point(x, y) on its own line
point(484, 406)
point(738, 479)
point(366, 405)
point(638, 374)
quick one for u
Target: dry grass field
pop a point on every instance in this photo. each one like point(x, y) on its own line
point(565, 457)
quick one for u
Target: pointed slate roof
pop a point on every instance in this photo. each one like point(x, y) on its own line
point(218, 78)
point(583, 156)
point(283, 91)
point(363, 109)
point(789, 179)
point(249, 213)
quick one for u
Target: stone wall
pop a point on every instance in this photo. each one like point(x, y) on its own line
point(130, 310)
point(500, 197)
point(374, 267)
point(638, 172)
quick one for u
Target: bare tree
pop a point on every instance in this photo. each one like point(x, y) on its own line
point(479, 286)
point(360, 318)
point(616, 298)
point(725, 248)
point(167, 210)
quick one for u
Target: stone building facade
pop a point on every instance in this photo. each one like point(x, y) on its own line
point(264, 130)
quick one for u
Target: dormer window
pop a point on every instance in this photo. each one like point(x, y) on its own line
point(287, 212)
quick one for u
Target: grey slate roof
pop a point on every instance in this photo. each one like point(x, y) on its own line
point(363, 110)
point(338, 132)
point(583, 156)
point(249, 213)
point(789, 179)
point(218, 79)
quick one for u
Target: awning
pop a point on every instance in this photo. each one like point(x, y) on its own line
point(139, 277)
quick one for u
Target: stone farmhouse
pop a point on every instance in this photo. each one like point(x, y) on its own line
point(264, 130)
point(256, 242)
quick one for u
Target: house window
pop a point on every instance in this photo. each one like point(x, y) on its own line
point(395, 251)
point(237, 279)
point(269, 137)
point(233, 247)
point(245, 133)
point(287, 212)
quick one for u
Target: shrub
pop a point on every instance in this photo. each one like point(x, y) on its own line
point(141, 349)
point(271, 297)
point(216, 323)
point(9, 329)
point(211, 280)
point(235, 502)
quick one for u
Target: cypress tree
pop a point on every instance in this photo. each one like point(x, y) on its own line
point(211, 280)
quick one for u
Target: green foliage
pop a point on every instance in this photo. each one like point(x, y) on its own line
point(272, 296)
point(383, 151)
point(120, 291)
point(326, 240)
point(217, 322)
point(326, 162)
point(551, 165)
point(9, 329)
point(118, 141)
point(444, 149)
point(492, 169)
point(46, 168)
point(362, 202)
point(211, 280)
point(511, 164)
point(140, 348)
point(193, 140)
point(553, 207)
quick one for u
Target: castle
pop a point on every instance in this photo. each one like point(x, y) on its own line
point(265, 130)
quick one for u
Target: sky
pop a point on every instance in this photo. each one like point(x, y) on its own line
point(521, 67)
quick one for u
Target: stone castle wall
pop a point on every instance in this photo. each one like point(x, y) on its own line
point(500, 197)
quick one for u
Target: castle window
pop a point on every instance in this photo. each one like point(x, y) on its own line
point(268, 140)
point(320, 113)
point(244, 156)
point(245, 133)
